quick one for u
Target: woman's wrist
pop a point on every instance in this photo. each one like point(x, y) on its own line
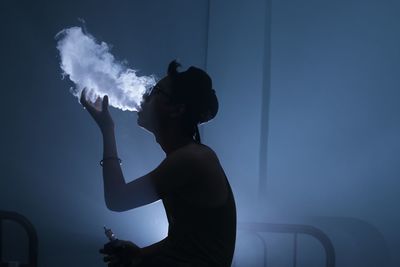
point(109, 144)
point(110, 158)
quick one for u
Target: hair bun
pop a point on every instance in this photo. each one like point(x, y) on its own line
point(210, 109)
point(193, 87)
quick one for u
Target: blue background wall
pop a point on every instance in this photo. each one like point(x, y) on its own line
point(309, 94)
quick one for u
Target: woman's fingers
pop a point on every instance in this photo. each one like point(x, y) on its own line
point(85, 103)
point(110, 258)
point(98, 110)
point(101, 104)
point(111, 247)
point(83, 100)
point(105, 103)
point(98, 103)
point(93, 108)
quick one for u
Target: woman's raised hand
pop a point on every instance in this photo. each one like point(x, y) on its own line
point(99, 111)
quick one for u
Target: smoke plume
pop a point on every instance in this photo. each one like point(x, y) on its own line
point(90, 64)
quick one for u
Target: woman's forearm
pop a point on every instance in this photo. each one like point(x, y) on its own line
point(109, 143)
point(113, 177)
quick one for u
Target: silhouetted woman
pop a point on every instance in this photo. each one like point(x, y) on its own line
point(190, 181)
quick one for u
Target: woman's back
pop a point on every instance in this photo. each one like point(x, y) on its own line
point(202, 219)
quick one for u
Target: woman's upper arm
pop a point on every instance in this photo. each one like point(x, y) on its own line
point(174, 171)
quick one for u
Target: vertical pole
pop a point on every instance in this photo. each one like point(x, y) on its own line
point(208, 7)
point(295, 250)
point(266, 87)
point(1, 240)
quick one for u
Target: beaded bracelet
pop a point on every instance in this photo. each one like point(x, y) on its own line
point(108, 158)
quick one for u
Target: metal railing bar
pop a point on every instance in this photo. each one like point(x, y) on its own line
point(295, 250)
point(293, 229)
point(264, 248)
point(1, 240)
point(32, 236)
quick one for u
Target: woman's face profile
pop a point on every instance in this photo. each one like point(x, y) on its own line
point(155, 106)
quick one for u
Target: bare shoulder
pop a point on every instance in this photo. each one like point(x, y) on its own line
point(199, 157)
point(199, 152)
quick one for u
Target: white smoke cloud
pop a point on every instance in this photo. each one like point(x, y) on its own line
point(90, 64)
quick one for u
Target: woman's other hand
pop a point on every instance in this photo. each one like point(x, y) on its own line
point(120, 253)
point(99, 111)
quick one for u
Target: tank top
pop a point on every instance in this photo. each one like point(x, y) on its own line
point(198, 236)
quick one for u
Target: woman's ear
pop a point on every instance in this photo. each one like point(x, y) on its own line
point(178, 110)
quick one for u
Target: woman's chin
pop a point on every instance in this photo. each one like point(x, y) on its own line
point(140, 120)
point(142, 124)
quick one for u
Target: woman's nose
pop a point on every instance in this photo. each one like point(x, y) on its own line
point(144, 100)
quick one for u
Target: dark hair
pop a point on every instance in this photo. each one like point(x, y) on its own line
point(193, 88)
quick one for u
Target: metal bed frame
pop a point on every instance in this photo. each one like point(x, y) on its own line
point(245, 227)
point(32, 237)
point(295, 229)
